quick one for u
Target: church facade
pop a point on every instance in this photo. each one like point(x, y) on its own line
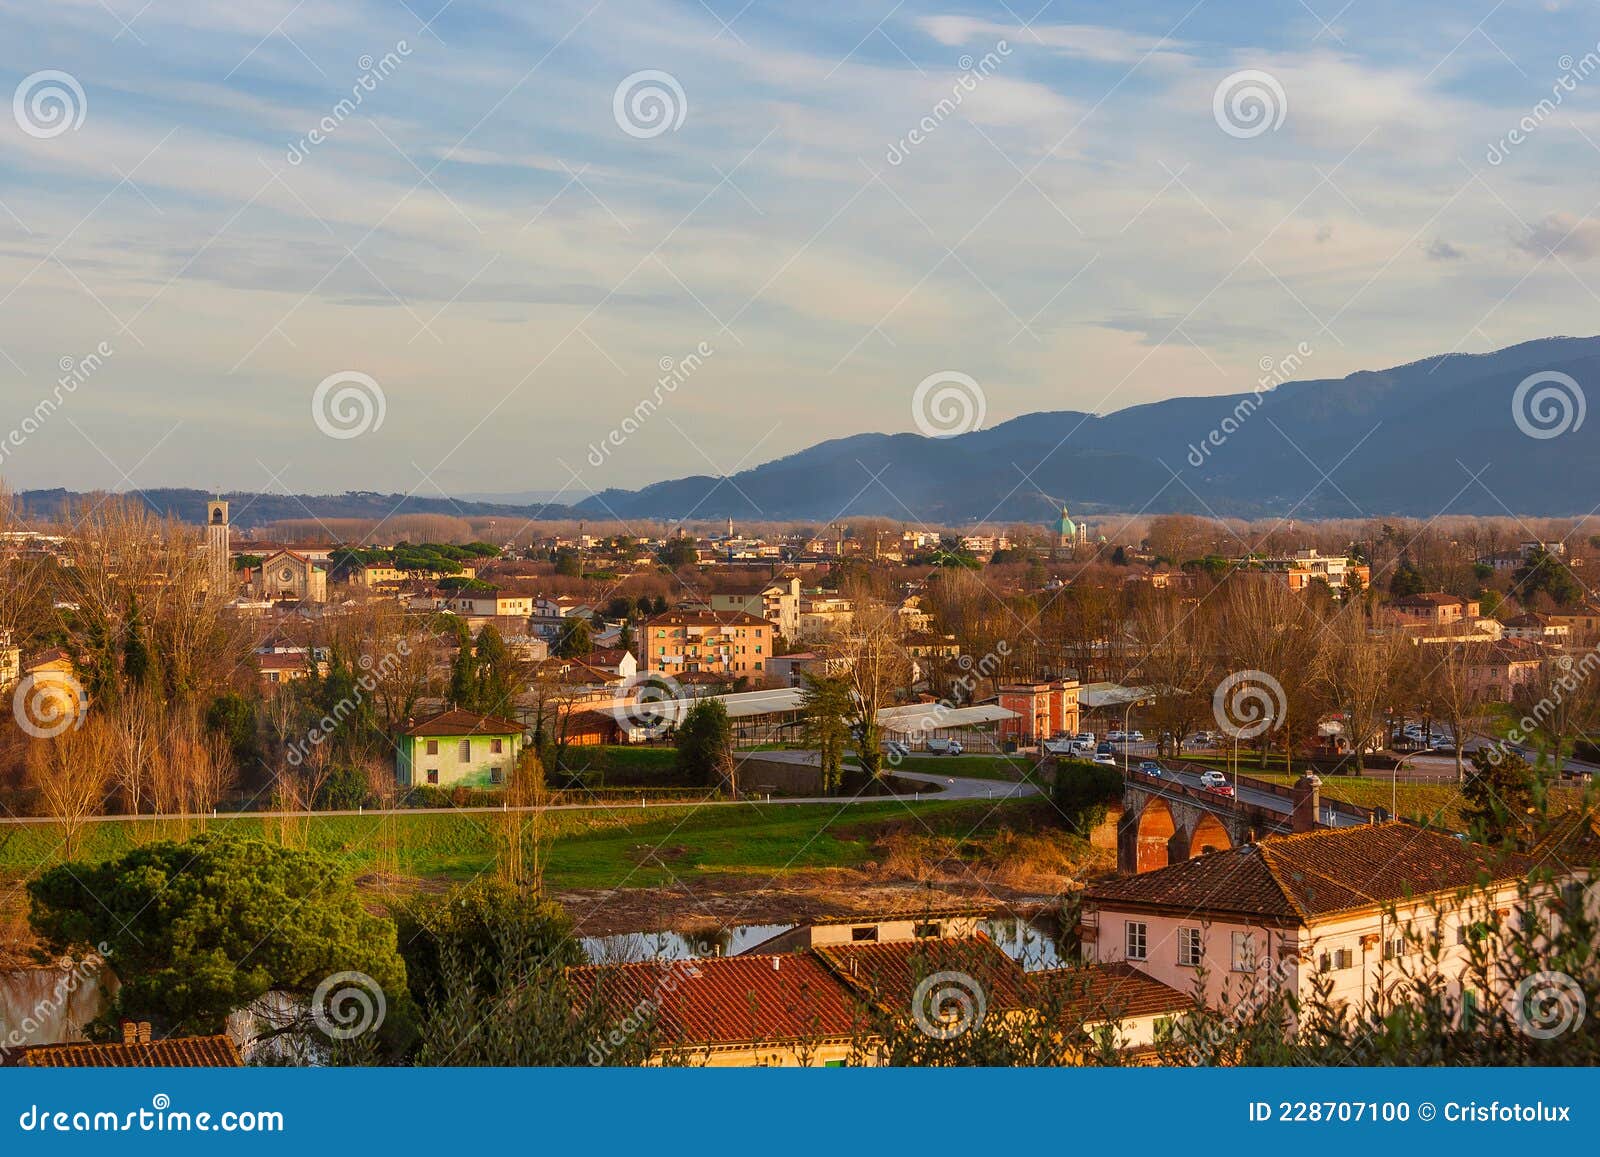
point(287, 575)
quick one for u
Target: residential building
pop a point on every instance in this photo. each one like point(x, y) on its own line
point(824, 615)
point(1498, 669)
point(688, 642)
point(776, 600)
point(373, 575)
point(457, 748)
point(613, 661)
point(54, 692)
point(1299, 570)
point(1434, 609)
point(1345, 905)
point(1582, 623)
point(490, 604)
point(10, 662)
point(1536, 628)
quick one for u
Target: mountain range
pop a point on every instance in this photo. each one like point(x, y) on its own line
point(1492, 433)
point(1435, 436)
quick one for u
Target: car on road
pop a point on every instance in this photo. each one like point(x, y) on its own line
point(1117, 737)
point(1222, 789)
point(1104, 747)
point(944, 747)
point(1088, 737)
point(1135, 737)
point(1211, 777)
point(894, 749)
point(1151, 767)
point(1106, 758)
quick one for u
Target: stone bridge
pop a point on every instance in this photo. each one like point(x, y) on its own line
point(1165, 822)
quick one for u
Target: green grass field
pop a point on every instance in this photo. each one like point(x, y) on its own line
point(590, 849)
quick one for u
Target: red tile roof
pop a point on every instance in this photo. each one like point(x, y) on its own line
point(1314, 874)
point(459, 722)
point(188, 1052)
point(706, 619)
point(1097, 993)
point(729, 1000)
point(888, 973)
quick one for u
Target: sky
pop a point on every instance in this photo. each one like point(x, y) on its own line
point(449, 247)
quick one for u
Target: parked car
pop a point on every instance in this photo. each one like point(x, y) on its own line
point(1211, 777)
point(1151, 767)
point(894, 749)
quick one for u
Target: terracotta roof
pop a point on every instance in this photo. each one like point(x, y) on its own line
point(729, 1000)
point(1314, 873)
point(1431, 599)
point(706, 619)
point(50, 655)
point(459, 722)
point(888, 973)
point(1098, 993)
point(283, 661)
point(187, 1052)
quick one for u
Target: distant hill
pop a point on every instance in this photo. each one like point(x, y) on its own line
point(1391, 440)
point(252, 510)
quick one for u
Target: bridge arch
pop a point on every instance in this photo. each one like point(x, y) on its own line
point(1208, 836)
point(1154, 839)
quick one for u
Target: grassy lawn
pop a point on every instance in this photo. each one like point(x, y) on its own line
point(1433, 803)
point(1010, 768)
point(589, 849)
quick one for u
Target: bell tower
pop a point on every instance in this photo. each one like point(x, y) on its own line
point(219, 563)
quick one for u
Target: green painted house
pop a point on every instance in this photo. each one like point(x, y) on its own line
point(457, 748)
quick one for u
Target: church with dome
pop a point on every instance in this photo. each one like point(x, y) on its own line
point(1069, 534)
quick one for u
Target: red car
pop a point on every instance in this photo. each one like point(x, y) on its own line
point(1221, 789)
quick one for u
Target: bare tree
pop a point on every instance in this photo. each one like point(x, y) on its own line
point(72, 773)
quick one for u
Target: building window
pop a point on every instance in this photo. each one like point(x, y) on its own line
point(433, 775)
point(864, 934)
point(495, 775)
point(1189, 947)
point(1244, 952)
point(1138, 940)
point(497, 746)
point(1336, 961)
point(433, 747)
point(464, 753)
point(927, 931)
point(1394, 947)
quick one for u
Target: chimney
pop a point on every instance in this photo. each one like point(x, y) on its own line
point(130, 1033)
point(777, 964)
point(144, 1032)
point(1307, 797)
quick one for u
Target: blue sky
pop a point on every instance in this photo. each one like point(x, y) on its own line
point(482, 239)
